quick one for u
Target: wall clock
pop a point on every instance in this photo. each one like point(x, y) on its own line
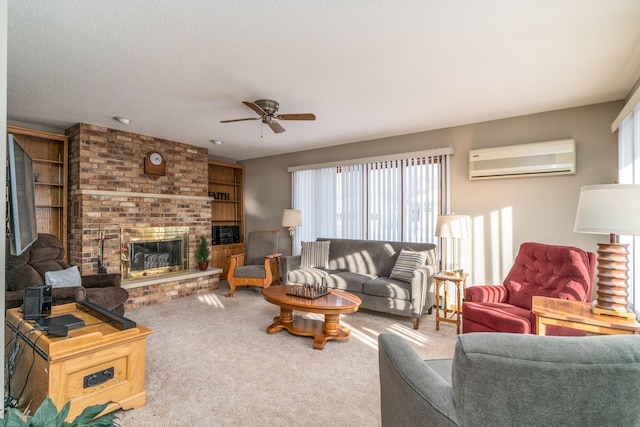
point(154, 164)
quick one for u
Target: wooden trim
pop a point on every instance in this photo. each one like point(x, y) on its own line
point(226, 164)
point(37, 133)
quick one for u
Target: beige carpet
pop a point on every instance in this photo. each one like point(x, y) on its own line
point(210, 362)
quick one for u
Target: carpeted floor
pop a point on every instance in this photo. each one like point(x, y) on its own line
point(210, 362)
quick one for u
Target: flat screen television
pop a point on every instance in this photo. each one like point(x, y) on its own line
point(23, 227)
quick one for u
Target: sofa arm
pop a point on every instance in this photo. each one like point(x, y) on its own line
point(423, 295)
point(411, 392)
point(289, 263)
point(101, 280)
point(486, 293)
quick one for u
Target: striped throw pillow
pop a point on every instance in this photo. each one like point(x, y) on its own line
point(405, 264)
point(315, 255)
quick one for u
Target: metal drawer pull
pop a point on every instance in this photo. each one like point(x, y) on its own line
point(98, 378)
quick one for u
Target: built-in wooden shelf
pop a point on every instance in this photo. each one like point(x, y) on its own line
point(226, 178)
point(49, 152)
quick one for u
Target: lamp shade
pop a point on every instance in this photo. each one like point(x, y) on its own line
point(291, 218)
point(454, 226)
point(609, 209)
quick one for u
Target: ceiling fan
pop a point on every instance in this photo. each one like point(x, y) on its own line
point(267, 109)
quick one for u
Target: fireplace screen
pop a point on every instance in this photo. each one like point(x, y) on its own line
point(154, 251)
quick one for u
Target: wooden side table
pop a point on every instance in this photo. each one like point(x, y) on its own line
point(578, 315)
point(460, 281)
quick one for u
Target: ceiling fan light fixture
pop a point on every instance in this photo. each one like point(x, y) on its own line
point(268, 105)
point(267, 110)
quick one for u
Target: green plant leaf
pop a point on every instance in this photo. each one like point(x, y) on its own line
point(203, 251)
point(13, 417)
point(89, 413)
point(47, 414)
point(59, 421)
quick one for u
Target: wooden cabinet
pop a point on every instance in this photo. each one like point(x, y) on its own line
point(49, 152)
point(93, 364)
point(226, 190)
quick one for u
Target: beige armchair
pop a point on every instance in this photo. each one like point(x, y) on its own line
point(259, 266)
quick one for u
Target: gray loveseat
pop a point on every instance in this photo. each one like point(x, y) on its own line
point(501, 379)
point(363, 267)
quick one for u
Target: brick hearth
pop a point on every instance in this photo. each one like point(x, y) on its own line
point(108, 190)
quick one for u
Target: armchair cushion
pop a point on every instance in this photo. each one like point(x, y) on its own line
point(22, 277)
point(259, 245)
point(68, 294)
point(315, 254)
point(499, 317)
point(550, 271)
point(250, 271)
point(102, 280)
point(69, 277)
point(48, 265)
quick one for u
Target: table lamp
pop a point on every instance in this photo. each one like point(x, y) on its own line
point(291, 218)
point(453, 227)
point(610, 209)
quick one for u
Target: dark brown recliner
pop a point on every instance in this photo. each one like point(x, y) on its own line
point(47, 254)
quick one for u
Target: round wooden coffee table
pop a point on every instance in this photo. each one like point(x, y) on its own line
point(331, 305)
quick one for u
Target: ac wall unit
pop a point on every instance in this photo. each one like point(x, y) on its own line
point(538, 158)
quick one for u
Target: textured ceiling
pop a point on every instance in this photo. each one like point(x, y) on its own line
point(367, 69)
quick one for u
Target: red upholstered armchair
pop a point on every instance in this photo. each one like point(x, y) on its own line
point(553, 271)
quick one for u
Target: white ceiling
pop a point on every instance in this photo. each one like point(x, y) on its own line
point(367, 68)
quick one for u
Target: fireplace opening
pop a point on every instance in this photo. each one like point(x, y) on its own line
point(148, 255)
point(154, 251)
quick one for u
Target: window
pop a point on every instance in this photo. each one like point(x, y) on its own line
point(629, 173)
point(396, 199)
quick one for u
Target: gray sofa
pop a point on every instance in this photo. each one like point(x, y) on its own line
point(362, 267)
point(501, 379)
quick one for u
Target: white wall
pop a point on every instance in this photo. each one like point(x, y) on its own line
point(506, 212)
point(3, 152)
point(538, 209)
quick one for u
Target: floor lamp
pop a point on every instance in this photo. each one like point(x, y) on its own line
point(452, 227)
point(610, 209)
point(291, 218)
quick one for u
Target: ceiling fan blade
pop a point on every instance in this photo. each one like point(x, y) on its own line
point(275, 126)
point(255, 107)
point(302, 116)
point(239, 120)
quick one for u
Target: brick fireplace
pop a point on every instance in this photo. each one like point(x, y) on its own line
point(109, 191)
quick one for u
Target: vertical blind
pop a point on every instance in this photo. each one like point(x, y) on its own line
point(629, 173)
point(397, 200)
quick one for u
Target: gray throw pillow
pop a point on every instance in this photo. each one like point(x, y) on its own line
point(63, 278)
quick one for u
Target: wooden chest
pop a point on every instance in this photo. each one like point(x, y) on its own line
point(93, 364)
